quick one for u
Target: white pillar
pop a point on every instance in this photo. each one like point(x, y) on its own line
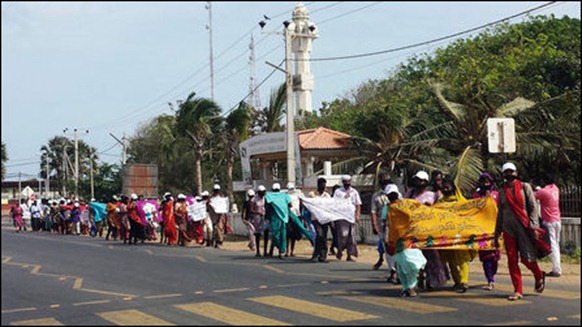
point(304, 33)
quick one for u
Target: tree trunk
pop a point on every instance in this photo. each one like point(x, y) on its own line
point(198, 170)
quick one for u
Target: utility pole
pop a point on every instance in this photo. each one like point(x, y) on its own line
point(209, 28)
point(47, 183)
point(19, 186)
point(76, 173)
point(91, 165)
point(122, 142)
point(303, 32)
point(290, 109)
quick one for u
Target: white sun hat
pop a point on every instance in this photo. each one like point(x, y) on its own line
point(421, 174)
point(262, 188)
point(251, 192)
point(508, 165)
point(276, 186)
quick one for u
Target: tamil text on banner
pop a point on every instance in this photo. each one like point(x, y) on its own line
point(449, 225)
point(197, 211)
point(330, 209)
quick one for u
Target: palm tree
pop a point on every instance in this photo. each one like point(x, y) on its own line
point(236, 129)
point(196, 118)
point(465, 134)
point(269, 119)
point(59, 154)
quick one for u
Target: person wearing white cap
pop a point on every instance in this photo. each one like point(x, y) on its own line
point(207, 229)
point(377, 203)
point(170, 234)
point(217, 206)
point(245, 215)
point(435, 273)
point(320, 247)
point(257, 219)
point(293, 231)
point(408, 261)
point(346, 231)
point(137, 227)
point(518, 219)
point(277, 206)
point(181, 216)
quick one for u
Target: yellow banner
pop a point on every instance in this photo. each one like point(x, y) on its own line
point(449, 225)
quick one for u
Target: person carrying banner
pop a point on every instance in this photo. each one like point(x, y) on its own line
point(517, 220)
point(277, 206)
point(489, 258)
point(293, 229)
point(347, 231)
point(320, 247)
point(457, 259)
point(217, 208)
point(409, 261)
point(435, 273)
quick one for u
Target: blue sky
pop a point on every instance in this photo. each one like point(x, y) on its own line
point(110, 67)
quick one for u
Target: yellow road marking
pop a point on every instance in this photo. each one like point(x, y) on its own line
point(228, 315)
point(38, 322)
point(161, 296)
point(409, 305)
point(311, 308)
point(511, 323)
point(228, 290)
point(133, 318)
point(497, 301)
point(54, 306)
point(277, 270)
point(91, 302)
point(547, 292)
point(18, 310)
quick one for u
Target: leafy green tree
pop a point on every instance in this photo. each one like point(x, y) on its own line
point(4, 155)
point(196, 118)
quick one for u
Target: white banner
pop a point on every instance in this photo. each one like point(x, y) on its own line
point(197, 211)
point(330, 209)
point(219, 204)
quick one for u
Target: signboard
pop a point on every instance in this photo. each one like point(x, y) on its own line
point(28, 192)
point(501, 135)
point(266, 143)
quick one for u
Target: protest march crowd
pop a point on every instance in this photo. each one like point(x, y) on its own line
point(427, 236)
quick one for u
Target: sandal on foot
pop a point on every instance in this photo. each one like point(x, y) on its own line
point(541, 285)
point(515, 297)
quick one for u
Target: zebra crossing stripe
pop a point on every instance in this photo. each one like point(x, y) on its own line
point(38, 322)
point(311, 308)
point(228, 315)
point(400, 304)
point(133, 317)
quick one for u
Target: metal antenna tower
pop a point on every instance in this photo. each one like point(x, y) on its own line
point(254, 99)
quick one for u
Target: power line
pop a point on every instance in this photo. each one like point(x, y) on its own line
point(362, 55)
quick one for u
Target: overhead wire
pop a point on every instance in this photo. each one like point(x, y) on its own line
point(368, 54)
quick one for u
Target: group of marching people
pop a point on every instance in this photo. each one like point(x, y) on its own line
point(282, 218)
point(517, 222)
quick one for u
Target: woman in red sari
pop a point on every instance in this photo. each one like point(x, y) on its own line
point(516, 217)
point(169, 221)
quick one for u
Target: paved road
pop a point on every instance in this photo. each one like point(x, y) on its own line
point(78, 280)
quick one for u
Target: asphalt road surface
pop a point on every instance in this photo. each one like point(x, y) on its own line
point(50, 279)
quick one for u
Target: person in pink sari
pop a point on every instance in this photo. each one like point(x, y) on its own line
point(17, 213)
